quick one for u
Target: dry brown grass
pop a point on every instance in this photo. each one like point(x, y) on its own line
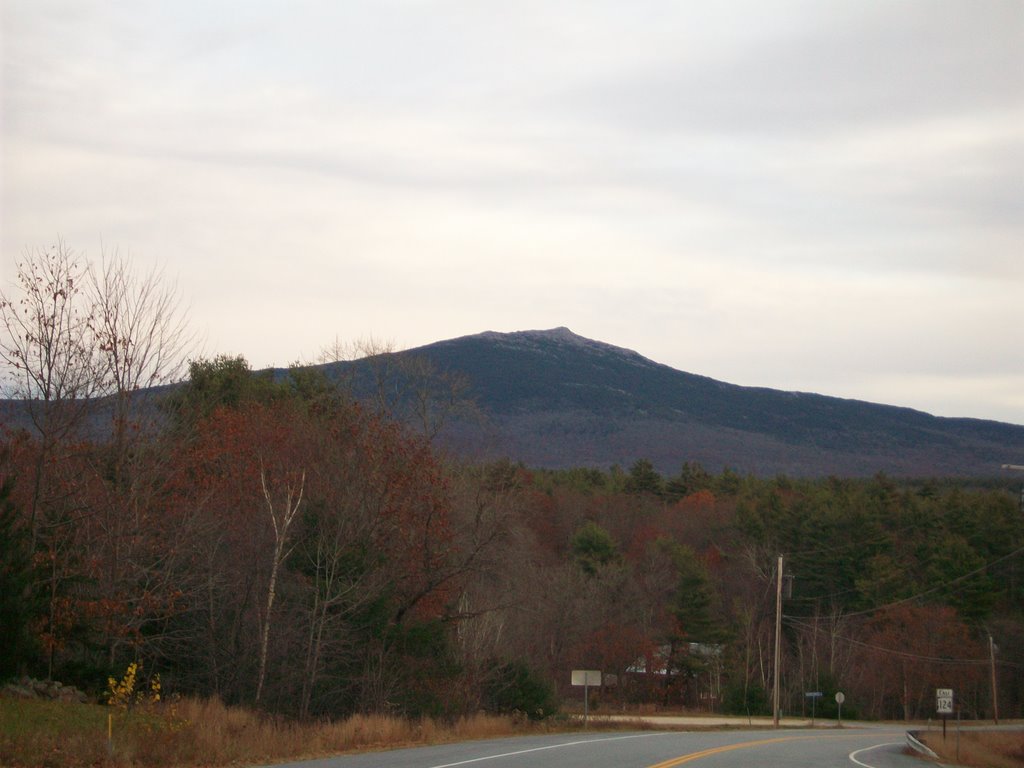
point(220, 735)
point(208, 733)
point(979, 749)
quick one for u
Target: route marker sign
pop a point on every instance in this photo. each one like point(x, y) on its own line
point(944, 701)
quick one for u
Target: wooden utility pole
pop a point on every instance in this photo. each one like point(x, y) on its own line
point(778, 647)
point(995, 692)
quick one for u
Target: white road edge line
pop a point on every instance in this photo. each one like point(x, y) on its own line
point(552, 746)
point(868, 749)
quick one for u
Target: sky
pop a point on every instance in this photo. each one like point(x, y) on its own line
point(810, 196)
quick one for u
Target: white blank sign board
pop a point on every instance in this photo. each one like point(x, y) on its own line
point(586, 677)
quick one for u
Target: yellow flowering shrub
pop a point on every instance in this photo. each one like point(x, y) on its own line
point(127, 691)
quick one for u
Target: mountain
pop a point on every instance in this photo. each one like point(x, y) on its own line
point(555, 399)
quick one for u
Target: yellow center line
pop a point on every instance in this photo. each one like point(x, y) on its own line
point(728, 748)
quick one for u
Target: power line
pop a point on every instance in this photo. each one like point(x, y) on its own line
point(792, 620)
point(883, 537)
point(928, 591)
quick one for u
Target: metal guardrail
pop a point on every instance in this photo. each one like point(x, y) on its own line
point(918, 746)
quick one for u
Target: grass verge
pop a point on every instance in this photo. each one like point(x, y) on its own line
point(193, 732)
point(979, 749)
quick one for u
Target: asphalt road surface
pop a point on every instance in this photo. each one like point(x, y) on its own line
point(846, 748)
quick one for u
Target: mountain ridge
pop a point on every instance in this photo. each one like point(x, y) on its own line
point(554, 399)
point(558, 398)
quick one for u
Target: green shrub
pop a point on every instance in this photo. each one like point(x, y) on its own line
point(752, 701)
point(516, 688)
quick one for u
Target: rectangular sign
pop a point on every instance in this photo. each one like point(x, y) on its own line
point(586, 677)
point(944, 701)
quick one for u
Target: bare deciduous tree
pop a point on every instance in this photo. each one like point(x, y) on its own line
point(47, 342)
point(406, 387)
point(140, 334)
point(70, 334)
point(48, 350)
point(281, 516)
point(339, 587)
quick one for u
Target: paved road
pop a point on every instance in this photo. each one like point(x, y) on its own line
point(847, 748)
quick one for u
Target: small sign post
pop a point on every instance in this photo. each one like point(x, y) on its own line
point(840, 698)
point(813, 696)
point(944, 705)
point(586, 678)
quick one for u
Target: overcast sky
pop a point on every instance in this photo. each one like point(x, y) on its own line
point(813, 196)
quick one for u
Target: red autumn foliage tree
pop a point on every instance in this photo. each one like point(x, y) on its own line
point(328, 507)
point(906, 653)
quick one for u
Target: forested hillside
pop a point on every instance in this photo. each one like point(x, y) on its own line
point(553, 398)
point(269, 540)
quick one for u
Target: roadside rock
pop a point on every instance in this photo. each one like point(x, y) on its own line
point(53, 690)
point(15, 691)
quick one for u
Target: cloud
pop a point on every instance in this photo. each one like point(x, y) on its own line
point(792, 194)
point(832, 69)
